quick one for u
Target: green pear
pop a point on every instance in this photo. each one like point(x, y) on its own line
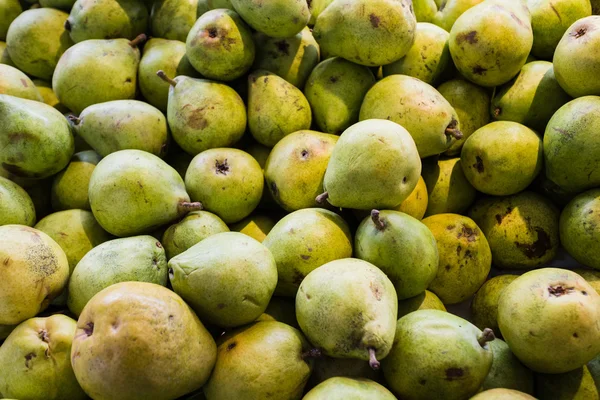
point(402, 247)
point(502, 158)
point(507, 371)
point(367, 32)
point(464, 254)
point(579, 231)
point(276, 108)
point(291, 58)
point(295, 168)
point(70, 186)
point(448, 189)
point(502, 394)
point(418, 107)
point(448, 12)
point(484, 307)
point(343, 388)
point(374, 164)
point(574, 385)
point(203, 114)
point(257, 226)
point(45, 344)
point(416, 369)
point(192, 229)
point(36, 140)
point(275, 18)
point(173, 19)
point(113, 64)
point(280, 309)
point(15, 83)
point(114, 353)
point(361, 325)
point(64, 5)
point(133, 192)
point(37, 39)
point(522, 229)
point(531, 98)
point(16, 207)
point(329, 367)
point(220, 45)
point(107, 19)
point(115, 125)
point(549, 318)
point(48, 95)
point(335, 91)
point(478, 42)
point(36, 270)
point(571, 145)
point(427, 59)
point(303, 241)
point(137, 259)
point(10, 11)
point(4, 56)
point(262, 360)
point(228, 182)
point(425, 301)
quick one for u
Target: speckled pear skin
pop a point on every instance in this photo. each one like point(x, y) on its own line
point(16, 207)
point(275, 18)
point(15, 83)
point(578, 228)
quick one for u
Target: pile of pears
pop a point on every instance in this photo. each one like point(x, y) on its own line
point(300, 199)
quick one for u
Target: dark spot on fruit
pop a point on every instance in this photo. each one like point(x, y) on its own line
point(28, 359)
point(555, 12)
point(375, 20)
point(376, 290)
point(6, 261)
point(304, 257)
point(468, 233)
point(500, 217)
point(212, 33)
point(304, 154)
point(43, 335)
point(17, 137)
point(283, 46)
point(538, 248)
point(220, 306)
point(470, 37)
point(266, 79)
point(454, 374)
point(221, 167)
point(24, 82)
point(583, 292)
point(575, 335)
point(580, 32)
point(308, 296)
point(448, 267)
point(497, 111)
point(559, 290)
point(171, 318)
point(478, 164)
point(196, 119)
point(159, 245)
point(274, 189)
point(468, 254)
point(333, 79)
point(422, 381)
point(479, 70)
point(89, 328)
point(405, 179)
point(458, 249)
point(231, 346)
point(513, 16)
point(128, 80)
point(450, 227)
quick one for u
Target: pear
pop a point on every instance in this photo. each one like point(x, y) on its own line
point(576, 384)
point(16, 207)
point(36, 271)
point(362, 323)
point(414, 372)
point(303, 241)
point(48, 95)
point(507, 371)
point(107, 19)
point(137, 258)
point(113, 64)
point(203, 114)
point(418, 107)
point(427, 59)
point(262, 360)
point(549, 318)
point(402, 247)
point(173, 19)
point(15, 83)
point(335, 91)
point(228, 182)
point(367, 32)
point(502, 394)
point(522, 229)
point(70, 186)
point(448, 12)
point(36, 141)
point(276, 108)
point(448, 189)
point(424, 10)
point(165, 55)
point(113, 358)
point(531, 98)
point(45, 344)
point(343, 388)
point(326, 368)
point(220, 45)
point(374, 164)
point(579, 230)
point(295, 168)
point(415, 204)
point(280, 309)
point(115, 125)
point(275, 18)
point(465, 257)
point(10, 11)
point(478, 42)
point(484, 307)
point(4, 56)
point(291, 58)
point(425, 301)
point(257, 226)
point(192, 229)
point(132, 192)
point(502, 158)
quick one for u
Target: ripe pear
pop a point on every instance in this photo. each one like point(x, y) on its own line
point(203, 114)
point(275, 18)
point(15, 83)
point(374, 164)
point(465, 257)
point(173, 19)
point(367, 32)
point(362, 323)
point(36, 141)
point(484, 307)
point(70, 186)
point(303, 241)
point(576, 60)
point(502, 394)
point(522, 229)
point(36, 270)
point(507, 371)
point(257, 226)
point(448, 189)
point(262, 360)
point(115, 353)
point(418, 107)
point(335, 91)
point(276, 108)
point(425, 301)
point(415, 204)
point(343, 388)
point(16, 207)
point(576, 384)
point(478, 42)
point(132, 192)
point(296, 166)
point(48, 95)
point(549, 318)
point(579, 231)
point(192, 229)
point(10, 11)
point(45, 344)
point(413, 371)
point(448, 12)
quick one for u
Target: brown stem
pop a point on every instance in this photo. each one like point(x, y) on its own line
point(322, 197)
point(373, 362)
point(486, 336)
point(161, 74)
point(68, 25)
point(188, 206)
point(497, 112)
point(312, 353)
point(139, 39)
point(74, 119)
point(453, 130)
point(377, 220)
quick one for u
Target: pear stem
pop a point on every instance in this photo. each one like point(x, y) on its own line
point(322, 197)
point(312, 353)
point(373, 362)
point(74, 119)
point(139, 39)
point(377, 220)
point(161, 74)
point(189, 206)
point(486, 336)
point(456, 133)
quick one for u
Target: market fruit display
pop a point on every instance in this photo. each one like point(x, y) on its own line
point(300, 199)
